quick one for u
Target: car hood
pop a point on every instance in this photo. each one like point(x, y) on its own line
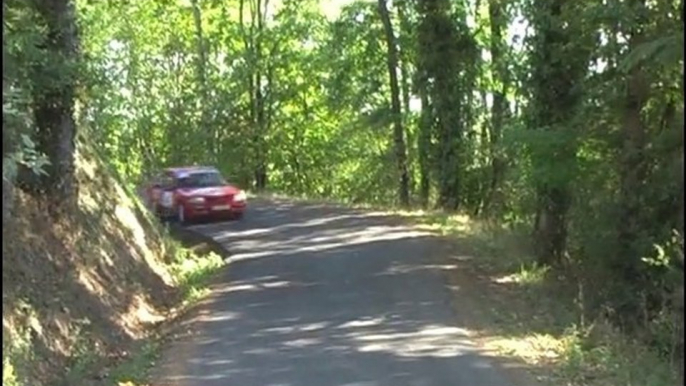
point(214, 191)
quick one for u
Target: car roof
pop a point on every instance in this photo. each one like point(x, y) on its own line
point(178, 171)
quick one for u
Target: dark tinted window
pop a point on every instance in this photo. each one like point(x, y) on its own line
point(201, 180)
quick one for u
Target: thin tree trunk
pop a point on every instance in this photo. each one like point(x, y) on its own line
point(681, 169)
point(260, 134)
point(406, 86)
point(404, 58)
point(398, 131)
point(252, 45)
point(423, 145)
point(206, 134)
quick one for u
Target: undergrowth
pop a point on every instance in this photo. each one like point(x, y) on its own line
point(192, 272)
point(534, 314)
point(135, 370)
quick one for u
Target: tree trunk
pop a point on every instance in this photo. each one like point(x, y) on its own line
point(405, 28)
point(398, 131)
point(424, 145)
point(252, 44)
point(54, 100)
point(680, 222)
point(561, 62)
point(498, 21)
point(206, 133)
point(260, 123)
point(632, 171)
point(439, 60)
point(551, 233)
point(406, 87)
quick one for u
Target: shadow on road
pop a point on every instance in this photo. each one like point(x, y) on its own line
point(317, 295)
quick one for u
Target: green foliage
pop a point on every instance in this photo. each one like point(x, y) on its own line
point(669, 254)
point(135, 370)
point(192, 271)
point(26, 155)
point(665, 50)
point(9, 377)
point(587, 356)
point(300, 102)
point(17, 351)
point(22, 36)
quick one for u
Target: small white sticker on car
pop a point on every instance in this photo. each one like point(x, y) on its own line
point(167, 199)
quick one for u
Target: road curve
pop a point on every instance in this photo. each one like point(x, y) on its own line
point(319, 295)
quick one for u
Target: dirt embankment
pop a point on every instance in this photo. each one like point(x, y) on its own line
point(82, 289)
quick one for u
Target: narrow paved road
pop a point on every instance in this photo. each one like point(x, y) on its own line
point(318, 295)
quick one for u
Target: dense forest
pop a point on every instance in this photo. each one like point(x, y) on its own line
point(560, 118)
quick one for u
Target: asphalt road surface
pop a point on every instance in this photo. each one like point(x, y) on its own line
point(318, 295)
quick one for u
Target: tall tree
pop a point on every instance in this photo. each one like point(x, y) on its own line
point(633, 164)
point(54, 92)
point(253, 40)
point(559, 62)
point(398, 131)
point(438, 60)
point(201, 69)
point(424, 148)
point(500, 74)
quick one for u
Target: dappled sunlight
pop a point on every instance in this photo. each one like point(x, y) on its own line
point(251, 287)
point(87, 198)
point(317, 222)
point(433, 341)
point(347, 299)
point(527, 275)
point(219, 316)
point(534, 349)
point(312, 326)
point(404, 268)
point(92, 282)
point(128, 219)
point(319, 243)
point(303, 342)
point(139, 313)
point(213, 362)
point(366, 322)
point(511, 278)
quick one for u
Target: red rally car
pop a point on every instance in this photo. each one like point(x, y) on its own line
point(194, 192)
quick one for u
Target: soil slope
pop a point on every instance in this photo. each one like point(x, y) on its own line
point(84, 288)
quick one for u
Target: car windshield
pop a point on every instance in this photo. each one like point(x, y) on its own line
point(201, 180)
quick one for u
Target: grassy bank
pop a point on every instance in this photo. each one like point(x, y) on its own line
point(197, 259)
point(85, 294)
point(524, 311)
